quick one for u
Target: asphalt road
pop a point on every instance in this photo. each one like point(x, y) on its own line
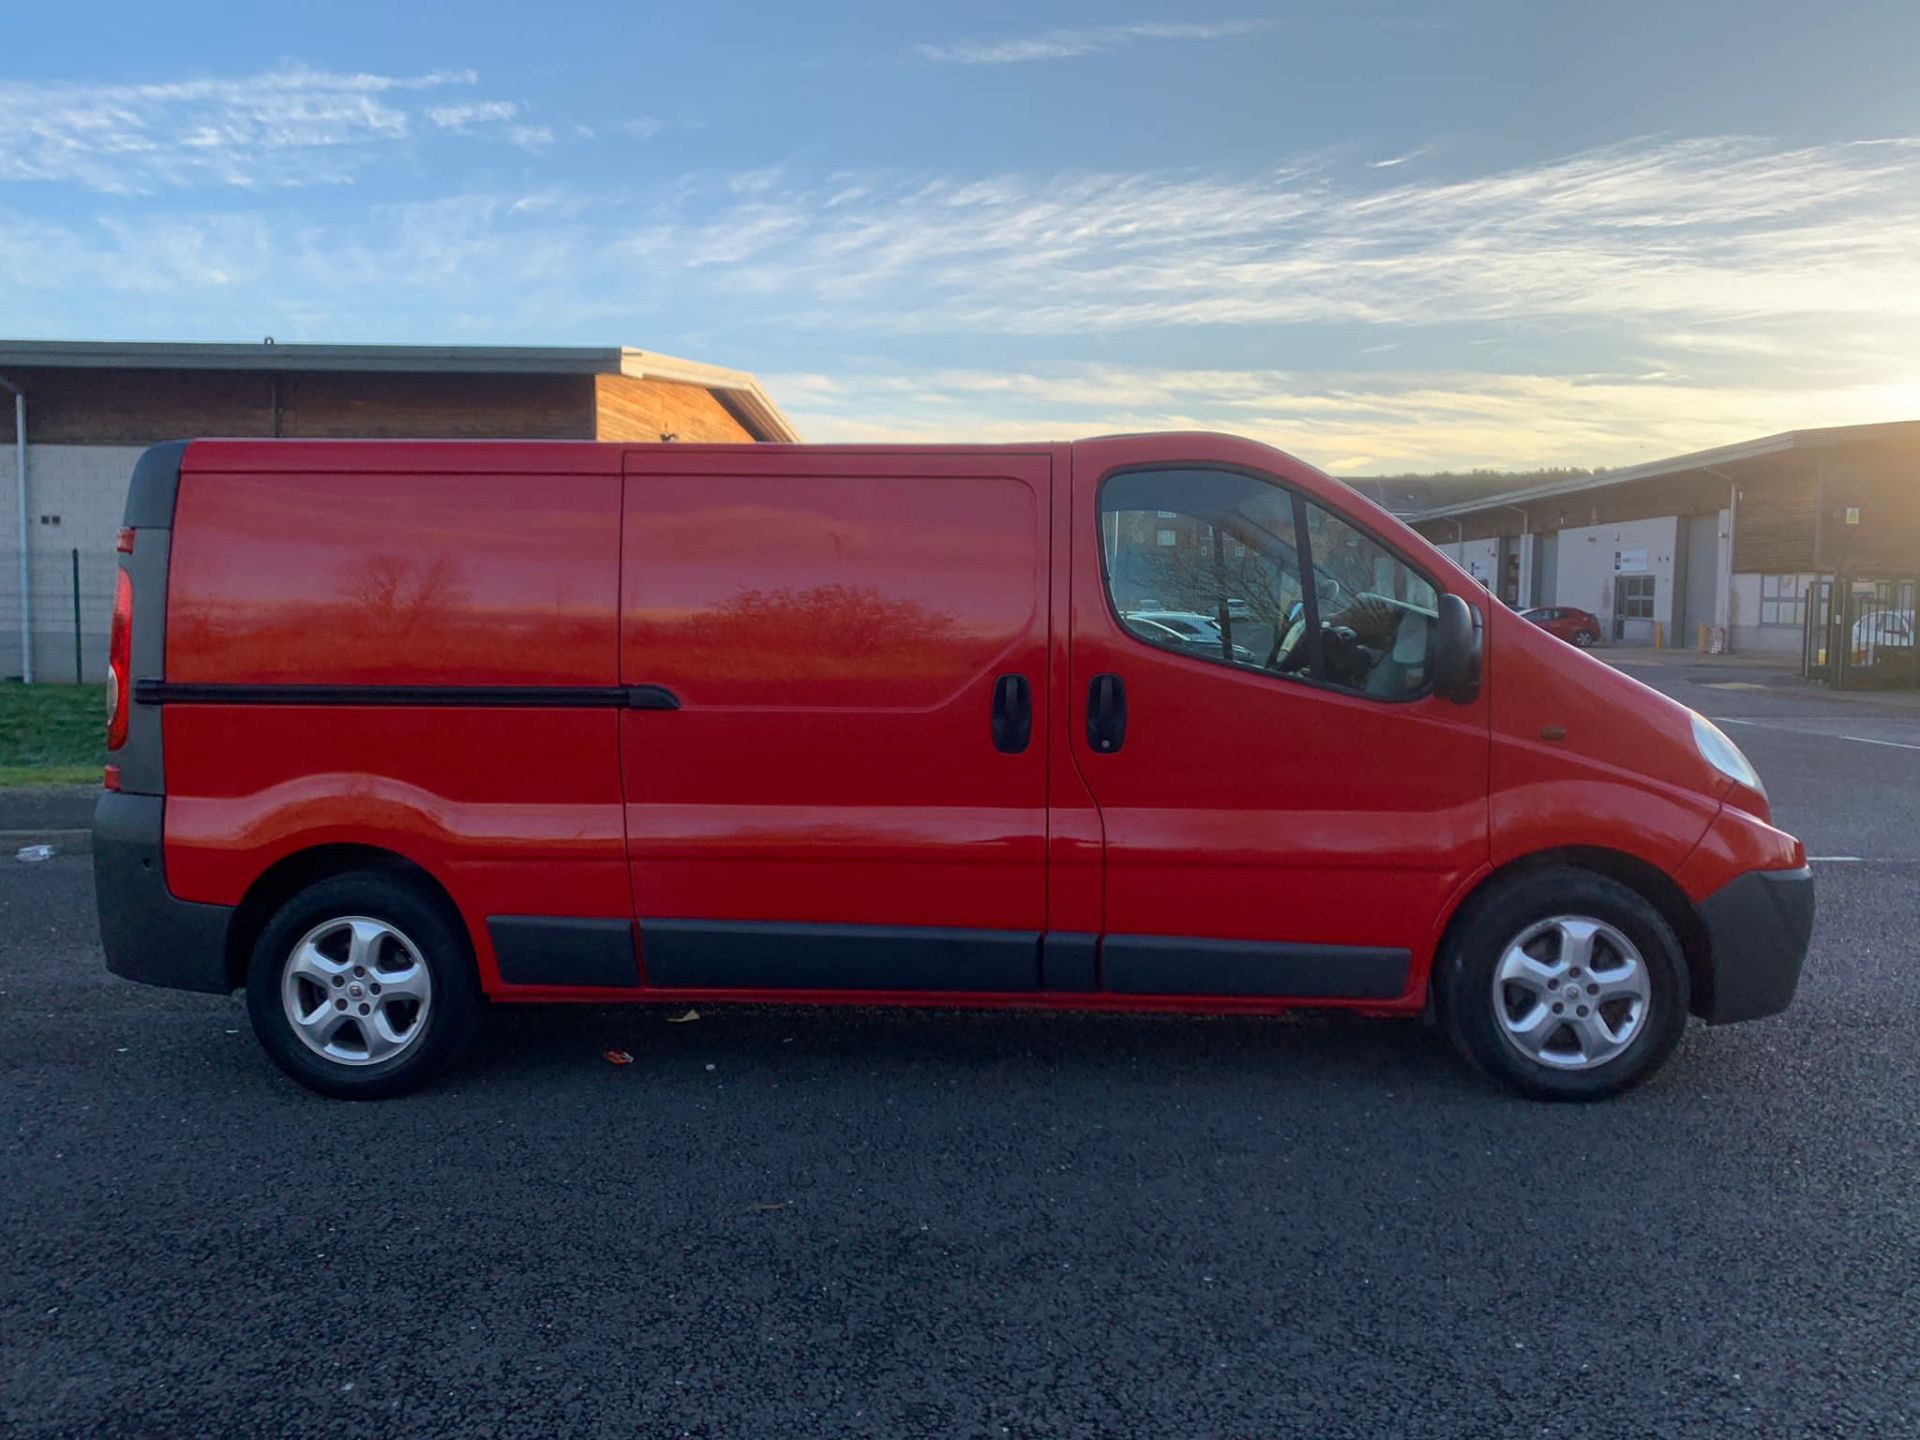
point(802, 1222)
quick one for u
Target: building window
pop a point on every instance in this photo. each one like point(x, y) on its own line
point(1635, 600)
point(1783, 600)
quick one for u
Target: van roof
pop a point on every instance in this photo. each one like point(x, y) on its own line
point(537, 457)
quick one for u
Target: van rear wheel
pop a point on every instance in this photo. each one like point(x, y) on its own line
point(362, 987)
point(1563, 985)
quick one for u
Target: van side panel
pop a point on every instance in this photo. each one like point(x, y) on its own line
point(382, 589)
point(834, 628)
point(436, 579)
point(514, 812)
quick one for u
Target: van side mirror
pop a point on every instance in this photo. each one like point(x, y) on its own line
point(1456, 651)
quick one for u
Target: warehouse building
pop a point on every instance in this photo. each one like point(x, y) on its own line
point(1773, 545)
point(75, 415)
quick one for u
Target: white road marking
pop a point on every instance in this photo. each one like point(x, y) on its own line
point(1863, 740)
point(1816, 734)
point(1836, 860)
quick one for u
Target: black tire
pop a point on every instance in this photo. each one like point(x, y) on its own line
point(1584, 638)
point(428, 923)
point(1493, 919)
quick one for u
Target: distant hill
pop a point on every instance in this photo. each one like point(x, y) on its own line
point(1406, 494)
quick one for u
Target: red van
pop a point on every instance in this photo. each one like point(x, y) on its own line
point(399, 729)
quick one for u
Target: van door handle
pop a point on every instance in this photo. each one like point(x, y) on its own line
point(1012, 714)
point(1106, 713)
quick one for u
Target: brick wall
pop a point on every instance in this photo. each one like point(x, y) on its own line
point(138, 407)
point(439, 407)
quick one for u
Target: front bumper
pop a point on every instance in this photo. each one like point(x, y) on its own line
point(149, 935)
point(1758, 925)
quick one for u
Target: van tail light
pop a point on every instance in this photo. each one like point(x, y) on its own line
point(119, 662)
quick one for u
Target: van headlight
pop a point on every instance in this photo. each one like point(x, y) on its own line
point(1723, 755)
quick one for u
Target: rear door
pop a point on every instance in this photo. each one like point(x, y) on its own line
point(1289, 815)
point(844, 784)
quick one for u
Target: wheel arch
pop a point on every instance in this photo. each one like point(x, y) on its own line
point(291, 874)
point(1644, 878)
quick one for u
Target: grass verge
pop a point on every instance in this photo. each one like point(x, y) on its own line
point(51, 734)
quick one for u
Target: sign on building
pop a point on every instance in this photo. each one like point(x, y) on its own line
point(1629, 562)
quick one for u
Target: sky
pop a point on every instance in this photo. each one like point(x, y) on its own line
point(1383, 236)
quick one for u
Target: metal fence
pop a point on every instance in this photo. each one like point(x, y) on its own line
point(1860, 632)
point(72, 610)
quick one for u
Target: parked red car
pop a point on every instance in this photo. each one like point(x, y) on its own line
point(1578, 627)
point(402, 729)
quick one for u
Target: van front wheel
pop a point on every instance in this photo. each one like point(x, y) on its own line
point(1563, 985)
point(361, 987)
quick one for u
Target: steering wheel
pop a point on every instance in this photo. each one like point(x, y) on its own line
point(1289, 650)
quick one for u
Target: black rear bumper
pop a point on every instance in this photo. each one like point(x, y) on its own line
point(149, 935)
point(1757, 930)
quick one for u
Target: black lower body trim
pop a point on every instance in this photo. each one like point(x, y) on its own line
point(1070, 960)
point(779, 955)
point(564, 950)
point(147, 933)
point(1758, 927)
point(1186, 965)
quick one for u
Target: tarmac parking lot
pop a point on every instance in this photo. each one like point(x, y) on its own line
point(802, 1222)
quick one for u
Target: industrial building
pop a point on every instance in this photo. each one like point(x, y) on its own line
point(73, 416)
point(1805, 542)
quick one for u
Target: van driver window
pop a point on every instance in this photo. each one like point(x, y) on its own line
point(1206, 563)
point(1201, 562)
point(1377, 616)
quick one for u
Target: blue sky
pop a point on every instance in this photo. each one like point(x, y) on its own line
point(1382, 236)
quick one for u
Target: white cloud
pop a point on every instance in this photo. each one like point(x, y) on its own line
point(1696, 249)
point(1345, 422)
point(641, 127)
point(1673, 293)
point(1396, 160)
point(1069, 44)
point(462, 119)
point(287, 127)
point(1678, 233)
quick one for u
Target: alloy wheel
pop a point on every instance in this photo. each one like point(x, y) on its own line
point(356, 991)
point(1571, 992)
